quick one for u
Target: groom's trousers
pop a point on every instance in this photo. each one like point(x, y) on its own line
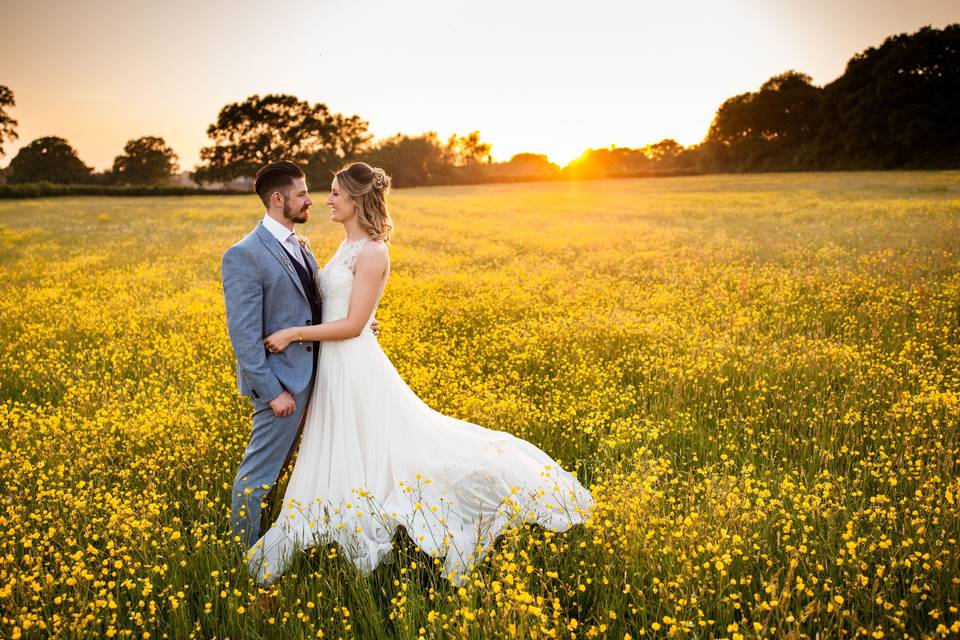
point(271, 442)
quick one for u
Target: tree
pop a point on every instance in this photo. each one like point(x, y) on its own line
point(666, 149)
point(769, 128)
point(611, 162)
point(525, 166)
point(665, 156)
point(896, 105)
point(532, 163)
point(146, 160)
point(468, 149)
point(8, 125)
point(411, 161)
point(49, 159)
point(249, 134)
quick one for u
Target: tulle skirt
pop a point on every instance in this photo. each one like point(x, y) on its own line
point(373, 457)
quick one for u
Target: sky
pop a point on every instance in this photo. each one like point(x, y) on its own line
point(532, 76)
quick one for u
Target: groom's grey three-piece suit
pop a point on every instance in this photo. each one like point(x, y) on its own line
point(266, 289)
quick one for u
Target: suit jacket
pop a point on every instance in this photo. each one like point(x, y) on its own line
point(263, 294)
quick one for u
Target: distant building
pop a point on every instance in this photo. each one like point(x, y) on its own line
point(183, 179)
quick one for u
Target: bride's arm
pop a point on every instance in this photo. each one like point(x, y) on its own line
point(370, 269)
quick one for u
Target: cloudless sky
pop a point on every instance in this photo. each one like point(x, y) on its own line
point(546, 77)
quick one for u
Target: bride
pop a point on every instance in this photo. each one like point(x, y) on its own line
point(373, 456)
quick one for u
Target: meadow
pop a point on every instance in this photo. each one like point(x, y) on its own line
point(757, 376)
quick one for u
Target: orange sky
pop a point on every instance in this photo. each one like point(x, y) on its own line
point(546, 77)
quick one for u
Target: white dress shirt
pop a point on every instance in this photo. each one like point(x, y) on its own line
point(285, 237)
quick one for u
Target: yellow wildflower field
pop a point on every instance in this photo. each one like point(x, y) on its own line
point(757, 376)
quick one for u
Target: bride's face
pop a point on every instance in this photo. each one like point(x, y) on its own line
point(341, 205)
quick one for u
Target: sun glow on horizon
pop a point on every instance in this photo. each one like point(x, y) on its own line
point(563, 157)
point(687, 124)
point(560, 156)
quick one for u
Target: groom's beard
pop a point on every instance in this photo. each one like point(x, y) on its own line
point(298, 216)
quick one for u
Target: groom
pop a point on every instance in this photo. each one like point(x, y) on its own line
point(269, 283)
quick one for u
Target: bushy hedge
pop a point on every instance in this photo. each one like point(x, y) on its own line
point(49, 189)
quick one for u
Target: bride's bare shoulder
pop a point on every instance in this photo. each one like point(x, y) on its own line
point(373, 255)
point(375, 248)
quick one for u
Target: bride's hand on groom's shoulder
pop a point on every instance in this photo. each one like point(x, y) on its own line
point(279, 340)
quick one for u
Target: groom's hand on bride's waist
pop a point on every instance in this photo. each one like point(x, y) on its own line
point(375, 327)
point(283, 405)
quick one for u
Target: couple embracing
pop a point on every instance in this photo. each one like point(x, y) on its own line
point(372, 455)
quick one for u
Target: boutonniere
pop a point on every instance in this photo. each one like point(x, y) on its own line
point(304, 242)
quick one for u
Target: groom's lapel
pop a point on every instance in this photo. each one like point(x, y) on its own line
point(278, 252)
point(312, 261)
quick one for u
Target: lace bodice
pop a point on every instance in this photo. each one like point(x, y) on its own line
point(335, 280)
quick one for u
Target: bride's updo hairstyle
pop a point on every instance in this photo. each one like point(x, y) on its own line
point(367, 186)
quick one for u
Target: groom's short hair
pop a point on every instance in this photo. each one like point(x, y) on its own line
point(275, 176)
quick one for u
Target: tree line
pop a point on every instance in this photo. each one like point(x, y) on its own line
point(146, 161)
point(895, 106)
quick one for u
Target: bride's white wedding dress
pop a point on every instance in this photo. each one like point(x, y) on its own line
point(373, 456)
